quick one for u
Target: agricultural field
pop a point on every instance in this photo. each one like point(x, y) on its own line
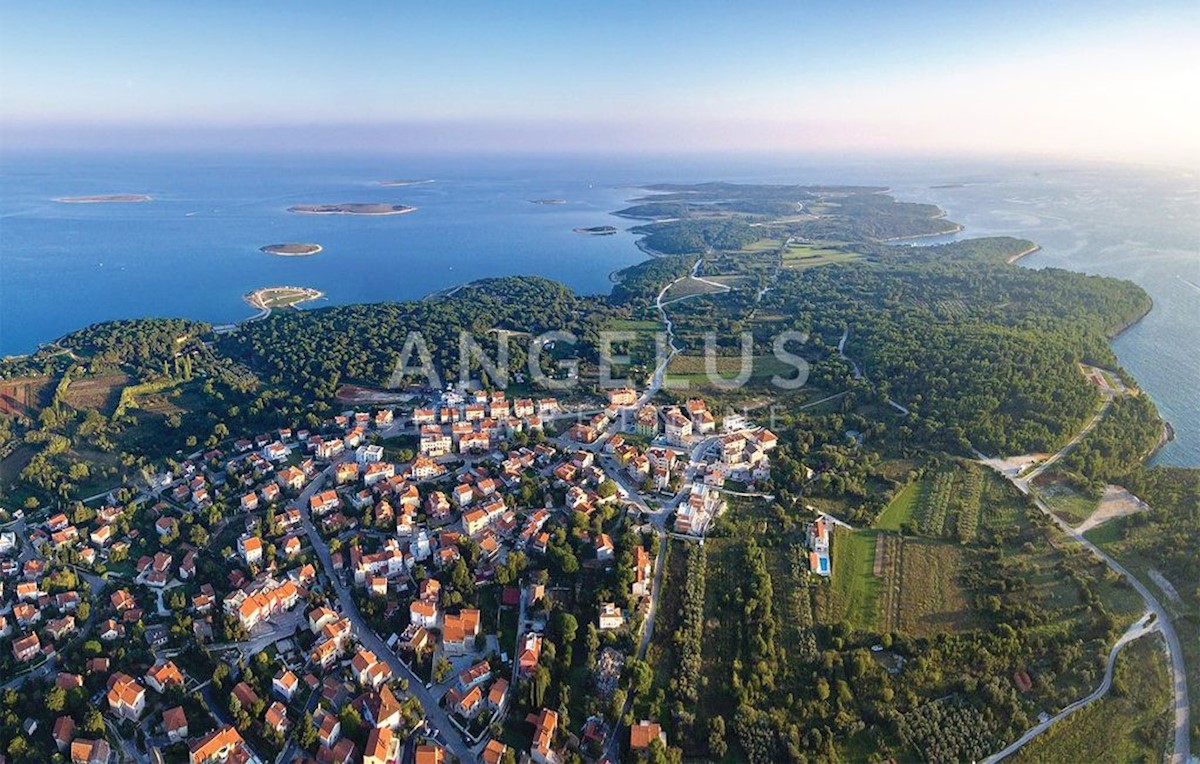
point(947, 504)
point(100, 393)
point(691, 368)
point(721, 615)
point(1129, 724)
point(24, 396)
point(921, 591)
point(932, 600)
point(809, 255)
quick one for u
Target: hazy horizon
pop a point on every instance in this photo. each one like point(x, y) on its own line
point(1077, 81)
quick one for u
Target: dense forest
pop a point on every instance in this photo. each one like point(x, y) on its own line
point(984, 355)
point(316, 351)
point(1127, 434)
point(140, 343)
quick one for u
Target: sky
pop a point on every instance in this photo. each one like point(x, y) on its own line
point(1098, 79)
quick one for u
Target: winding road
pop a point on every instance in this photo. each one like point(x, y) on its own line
point(1181, 751)
point(1140, 629)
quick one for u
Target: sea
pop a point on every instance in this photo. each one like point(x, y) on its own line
point(193, 251)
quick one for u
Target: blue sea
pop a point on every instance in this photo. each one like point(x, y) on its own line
point(194, 250)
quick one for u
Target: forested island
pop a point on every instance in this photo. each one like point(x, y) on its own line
point(956, 611)
point(597, 230)
point(373, 208)
point(291, 249)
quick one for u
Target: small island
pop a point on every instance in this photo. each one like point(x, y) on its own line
point(351, 209)
point(548, 201)
point(291, 249)
point(597, 230)
point(402, 182)
point(106, 199)
point(268, 298)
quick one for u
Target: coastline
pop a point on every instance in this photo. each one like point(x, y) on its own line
point(958, 228)
point(1026, 253)
point(260, 298)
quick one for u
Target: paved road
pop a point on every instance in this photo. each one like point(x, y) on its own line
point(1181, 752)
point(367, 636)
point(1144, 626)
point(1091, 425)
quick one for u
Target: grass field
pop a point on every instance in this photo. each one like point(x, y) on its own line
point(801, 256)
point(854, 593)
point(1067, 503)
point(688, 286)
point(632, 325)
point(1128, 724)
point(900, 509)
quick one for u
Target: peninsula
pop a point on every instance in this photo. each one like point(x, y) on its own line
point(269, 298)
point(373, 208)
point(291, 249)
point(104, 199)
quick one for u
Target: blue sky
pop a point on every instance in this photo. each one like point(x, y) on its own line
point(1104, 78)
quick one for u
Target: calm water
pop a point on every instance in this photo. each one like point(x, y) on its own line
point(193, 251)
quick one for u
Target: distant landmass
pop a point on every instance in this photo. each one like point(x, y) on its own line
point(106, 199)
point(351, 209)
point(597, 230)
point(291, 249)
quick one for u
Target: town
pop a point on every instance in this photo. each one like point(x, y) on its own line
point(389, 587)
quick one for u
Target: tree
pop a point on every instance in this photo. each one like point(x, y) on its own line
point(717, 746)
point(441, 669)
point(567, 626)
point(539, 682)
point(93, 722)
point(56, 699)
